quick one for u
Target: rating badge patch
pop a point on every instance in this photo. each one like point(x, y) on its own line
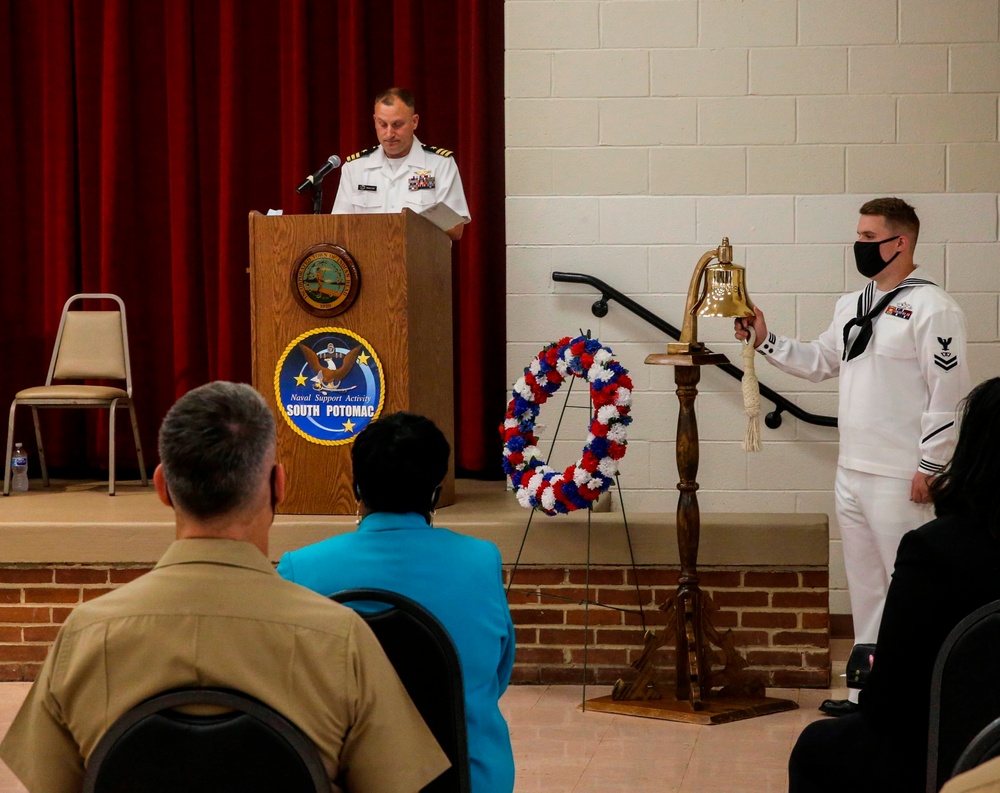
point(945, 359)
point(329, 385)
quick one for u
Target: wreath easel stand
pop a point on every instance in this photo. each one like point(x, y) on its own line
point(543, 488)
point(587, 602)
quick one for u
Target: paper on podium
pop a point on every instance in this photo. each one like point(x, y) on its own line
point(442, 216)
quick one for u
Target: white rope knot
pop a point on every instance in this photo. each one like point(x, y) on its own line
point(751, 396)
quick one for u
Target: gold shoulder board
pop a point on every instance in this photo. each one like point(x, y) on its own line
point(362, 153)
point(437, 150)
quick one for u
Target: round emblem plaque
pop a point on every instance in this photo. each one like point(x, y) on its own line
point(329, 385)
point(325, 280)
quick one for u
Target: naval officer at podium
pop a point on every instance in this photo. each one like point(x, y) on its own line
point(402, 172)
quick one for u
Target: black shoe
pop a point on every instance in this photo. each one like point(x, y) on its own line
point(839, 707)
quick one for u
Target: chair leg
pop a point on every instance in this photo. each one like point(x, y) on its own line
point(10, 448)
point(112, 415)
point(41, 449)
point(138, 444)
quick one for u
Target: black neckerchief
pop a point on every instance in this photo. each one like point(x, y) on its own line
point(867, 315)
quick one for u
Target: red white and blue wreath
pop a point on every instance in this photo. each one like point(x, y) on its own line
point(537, 485)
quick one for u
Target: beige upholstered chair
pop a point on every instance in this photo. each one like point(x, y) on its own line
point(90, 345)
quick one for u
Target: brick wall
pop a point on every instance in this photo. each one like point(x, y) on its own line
point(779, 620)
point(36, 599)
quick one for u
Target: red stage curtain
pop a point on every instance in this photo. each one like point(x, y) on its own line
point(138, 136)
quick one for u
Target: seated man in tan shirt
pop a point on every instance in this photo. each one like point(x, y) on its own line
point(213, 612)
point(983, 778)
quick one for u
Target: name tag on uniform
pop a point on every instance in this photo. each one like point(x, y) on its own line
point(371, 188)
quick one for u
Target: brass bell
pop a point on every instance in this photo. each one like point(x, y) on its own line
point(724, 293)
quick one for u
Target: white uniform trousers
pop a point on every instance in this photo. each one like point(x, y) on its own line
point(874, 512)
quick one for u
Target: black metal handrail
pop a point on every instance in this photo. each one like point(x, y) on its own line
point(600, 309)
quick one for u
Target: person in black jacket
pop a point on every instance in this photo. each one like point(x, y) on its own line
point(944, 570)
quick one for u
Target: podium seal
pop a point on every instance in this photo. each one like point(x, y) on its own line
point(329, 385)
point(325, 280)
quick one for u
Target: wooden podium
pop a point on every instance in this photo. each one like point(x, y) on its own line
point(402, 308)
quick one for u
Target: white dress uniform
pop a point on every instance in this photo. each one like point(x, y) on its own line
point(896, 415)
point(427, 175)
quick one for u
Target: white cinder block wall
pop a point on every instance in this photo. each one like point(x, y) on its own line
point(639, 133)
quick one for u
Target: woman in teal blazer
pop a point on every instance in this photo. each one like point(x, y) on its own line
point(399, 463)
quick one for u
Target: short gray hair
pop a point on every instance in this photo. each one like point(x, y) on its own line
point(390, 95)
point(215, 444)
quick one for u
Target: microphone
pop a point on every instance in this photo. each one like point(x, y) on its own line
point(316, 178)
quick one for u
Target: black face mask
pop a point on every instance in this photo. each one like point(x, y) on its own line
point(869, 259)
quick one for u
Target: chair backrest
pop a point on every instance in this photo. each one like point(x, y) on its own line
point(91, 344)
point(983, 747)
point(424, 656)
point(241, 745)
point(964, 694)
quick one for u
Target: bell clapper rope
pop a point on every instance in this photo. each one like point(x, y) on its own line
point(751, 395)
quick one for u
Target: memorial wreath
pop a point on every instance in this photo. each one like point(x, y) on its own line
point(536, 484)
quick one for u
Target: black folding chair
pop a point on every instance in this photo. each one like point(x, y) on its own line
point(246, 748)
point(965, 697)
point(424, 657)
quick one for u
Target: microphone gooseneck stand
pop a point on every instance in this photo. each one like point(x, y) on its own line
point(317, 191)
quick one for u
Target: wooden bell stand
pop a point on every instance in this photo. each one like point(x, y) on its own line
point(702, 695)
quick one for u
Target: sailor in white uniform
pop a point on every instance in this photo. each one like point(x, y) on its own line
point(898, 347)
point(400, 172)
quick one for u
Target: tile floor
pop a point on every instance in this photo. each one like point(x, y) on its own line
point(559, 749)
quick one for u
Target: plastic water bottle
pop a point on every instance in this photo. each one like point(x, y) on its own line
point(19, 469)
